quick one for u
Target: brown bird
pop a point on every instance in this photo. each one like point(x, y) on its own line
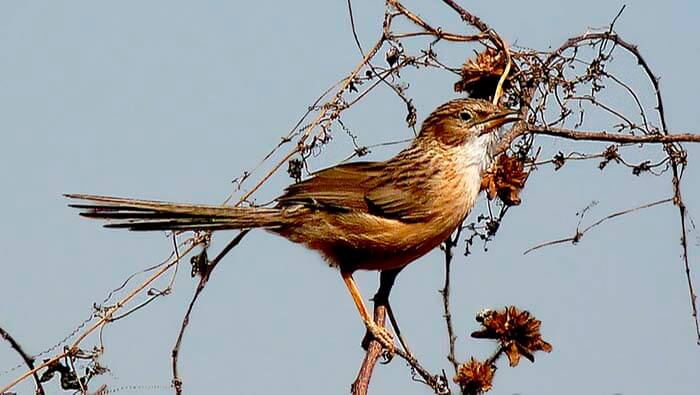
point(359, 216)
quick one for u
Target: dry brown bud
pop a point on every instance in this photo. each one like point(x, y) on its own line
point(505, 179)
point(475, 377)
point(517, 331)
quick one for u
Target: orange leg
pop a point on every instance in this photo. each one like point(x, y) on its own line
point(380, 333)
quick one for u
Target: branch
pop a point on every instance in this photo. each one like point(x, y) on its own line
point(613, 137)
point(578, 235)
point(522, 128)
point(437, 32)
point(450, 243)
point(374, 351)
point(204, 270)
point(106, 318)
point(671, 150)
point(437, 382)
point(476, 22)
point(29, 361)
point(343, 87)
point(382, 309)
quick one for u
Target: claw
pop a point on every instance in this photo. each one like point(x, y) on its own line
point(387, 357)
point(384, 337)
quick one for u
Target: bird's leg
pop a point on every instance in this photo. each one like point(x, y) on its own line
point(381, 299)
point(380, 333)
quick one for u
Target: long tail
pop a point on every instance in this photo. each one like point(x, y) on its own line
point(147, 215)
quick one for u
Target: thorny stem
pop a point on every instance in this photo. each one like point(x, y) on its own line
point(449, 245)
point(678, 201)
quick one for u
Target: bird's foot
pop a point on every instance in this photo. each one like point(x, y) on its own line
point(381, 335)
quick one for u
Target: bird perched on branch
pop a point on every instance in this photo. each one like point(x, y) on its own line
point(359, 216)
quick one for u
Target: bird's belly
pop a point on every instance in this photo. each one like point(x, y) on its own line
point(361, 241)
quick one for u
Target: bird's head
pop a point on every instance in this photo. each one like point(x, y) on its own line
point(467, 127)
point(460, 121)
point(469, 124)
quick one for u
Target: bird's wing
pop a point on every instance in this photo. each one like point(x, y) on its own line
point(371, 187)
point(341, 187)
point(402, 201)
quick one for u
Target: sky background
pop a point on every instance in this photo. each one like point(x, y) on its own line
point(172, 100)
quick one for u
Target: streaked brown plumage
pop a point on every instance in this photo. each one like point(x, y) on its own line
point(359, 216)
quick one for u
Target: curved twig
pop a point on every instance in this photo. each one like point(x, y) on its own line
point(29, 361)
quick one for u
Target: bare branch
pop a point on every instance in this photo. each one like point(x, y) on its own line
point(204, 268)
point(448, 248)
point(578, 235)
point(106, 318)
point(374, 351)
point(572, 134)
point(29, 361)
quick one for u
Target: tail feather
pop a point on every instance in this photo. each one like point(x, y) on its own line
point(152, 215)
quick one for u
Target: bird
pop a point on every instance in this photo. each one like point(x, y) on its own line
point(377, 216)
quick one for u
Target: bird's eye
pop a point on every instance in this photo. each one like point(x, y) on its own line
point(465, 116)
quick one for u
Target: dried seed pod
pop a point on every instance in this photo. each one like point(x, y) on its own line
point(480, 76)
point(505, 179)
point(474, 377)
point(517, 331)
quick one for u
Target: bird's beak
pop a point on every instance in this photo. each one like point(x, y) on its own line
point(498, 119)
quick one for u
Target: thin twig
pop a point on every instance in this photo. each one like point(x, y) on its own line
point(29, 361)
point(449, 244)
point(315, 122)
point(579, 233)
point(106, 318)
point(204, 278)
point(438, 383)
point(436, 32)
point(476, 22)
point(354, 31)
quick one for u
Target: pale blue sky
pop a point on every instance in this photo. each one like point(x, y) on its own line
point(173, 99)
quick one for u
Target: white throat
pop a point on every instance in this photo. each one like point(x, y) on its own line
point(479, 151)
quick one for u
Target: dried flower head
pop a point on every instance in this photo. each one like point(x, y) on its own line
point(517, 331)
point(480, 77)
point(505, 179)
point(475, 377)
